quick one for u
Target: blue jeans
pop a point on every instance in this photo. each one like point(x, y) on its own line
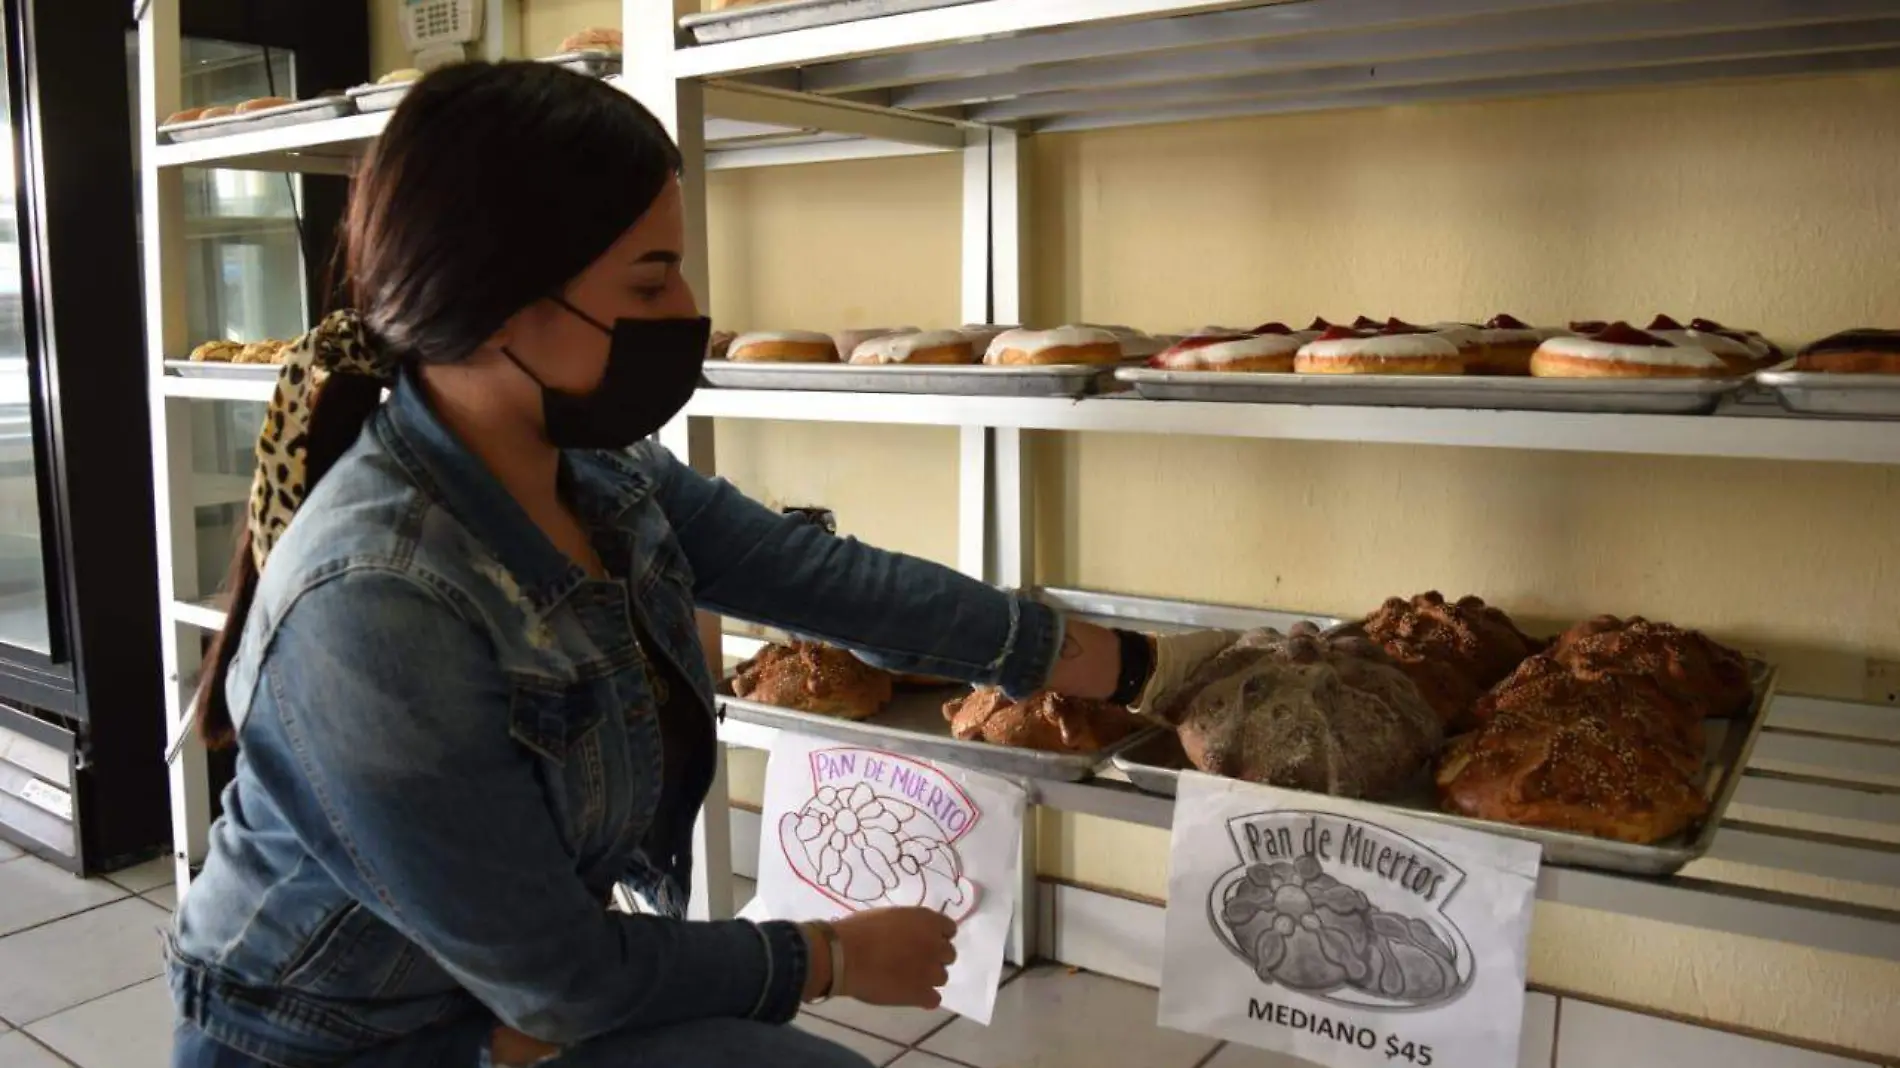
point(717, 1043)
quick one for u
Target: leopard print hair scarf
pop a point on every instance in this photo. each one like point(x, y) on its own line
point(341, 344)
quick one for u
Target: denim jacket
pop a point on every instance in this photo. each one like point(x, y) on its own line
point(449, 752)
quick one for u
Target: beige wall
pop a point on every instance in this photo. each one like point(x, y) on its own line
point(1774, 205)
point(1766, 205)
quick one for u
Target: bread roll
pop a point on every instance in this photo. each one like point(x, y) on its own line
point(813, 678)
point(187, 115)
point(1047, 721)
point(218, 351)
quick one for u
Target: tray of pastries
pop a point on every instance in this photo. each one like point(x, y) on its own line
point(595, 52)
point(730, 20)
point(827, 692)
point(261, 113)
point(1617, 745)
point(1501, 364)
point(1070, 361)
point(231, 359)
point(1852, 373)
point(385, 92)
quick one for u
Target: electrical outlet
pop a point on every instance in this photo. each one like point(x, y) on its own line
point(1883, 682)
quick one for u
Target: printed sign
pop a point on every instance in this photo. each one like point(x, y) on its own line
point(1343, 933)
point(847, 828)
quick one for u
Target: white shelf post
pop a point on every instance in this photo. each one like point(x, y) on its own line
point(648, 27)
point(162, 215)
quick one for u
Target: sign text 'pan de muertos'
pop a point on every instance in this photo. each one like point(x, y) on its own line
point(848, 828)
point(1343, 933)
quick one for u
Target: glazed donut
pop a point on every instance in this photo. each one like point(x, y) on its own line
point(783, 346)
point(1310, 333)
point(262, 103)
point(1342, 351)
point(1858, 352)
point(1063, 345)
point(849, 340)
point(1508, 345)
point(1622, 351)
point(1732, 351)
point(1226, 352)
point(928, 346)
point(1469, 337)
point(187, 115)
point(981, 334)
point(1767, 353)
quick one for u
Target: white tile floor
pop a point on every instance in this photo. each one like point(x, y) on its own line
point(79, 966)
point(79, 988)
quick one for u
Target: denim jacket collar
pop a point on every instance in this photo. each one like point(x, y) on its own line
point(601, 487)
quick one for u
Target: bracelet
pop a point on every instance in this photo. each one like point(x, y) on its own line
point(835, 988)
point(1137, 667)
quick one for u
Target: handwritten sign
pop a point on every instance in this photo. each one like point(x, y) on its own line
point(1343, 933)
point(848, 828)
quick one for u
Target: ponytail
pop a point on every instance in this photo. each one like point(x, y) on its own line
point(336, 419)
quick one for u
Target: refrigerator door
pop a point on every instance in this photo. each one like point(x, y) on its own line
point(25, 616)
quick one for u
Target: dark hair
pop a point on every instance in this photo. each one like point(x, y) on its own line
point(493, 185)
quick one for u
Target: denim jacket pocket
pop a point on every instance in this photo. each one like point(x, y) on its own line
point(564, 728)
point(354, 954)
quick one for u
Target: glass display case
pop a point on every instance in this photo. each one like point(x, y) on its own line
point(87, 697)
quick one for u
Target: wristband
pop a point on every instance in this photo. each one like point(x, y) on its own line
point(835, 988)
point(1137, 667)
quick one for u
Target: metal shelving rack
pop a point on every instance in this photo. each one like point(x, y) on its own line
point(1007, 70)
point(976, 78)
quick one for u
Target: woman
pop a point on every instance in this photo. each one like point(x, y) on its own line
point(467, 688)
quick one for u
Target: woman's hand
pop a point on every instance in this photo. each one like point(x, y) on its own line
point(895, 956)
point(1090, 662)
point(510, 1048)
point(1176, 657)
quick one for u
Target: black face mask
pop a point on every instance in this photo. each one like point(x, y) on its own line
point(653, 367)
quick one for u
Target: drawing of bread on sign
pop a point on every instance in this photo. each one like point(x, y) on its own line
point(880, 830)
point(1342, 909)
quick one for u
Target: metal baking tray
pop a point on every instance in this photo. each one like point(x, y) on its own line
point(323, 107)
point(1823, 393)
point(1154, 765)
point(1657, 396)
point(760, 19)
point(913, 722)
point(379, 97)
point(593, 62)
point(1055, 380)
point(247, 372)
